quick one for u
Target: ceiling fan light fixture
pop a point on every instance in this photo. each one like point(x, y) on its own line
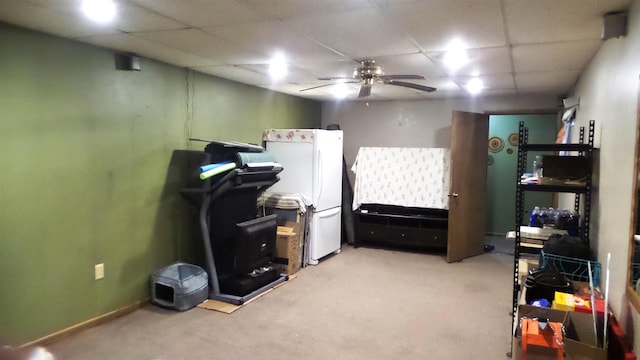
point(101, 11)
point(340, 91)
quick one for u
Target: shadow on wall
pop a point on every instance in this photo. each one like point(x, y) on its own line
point(443, 137)
point(176, 235)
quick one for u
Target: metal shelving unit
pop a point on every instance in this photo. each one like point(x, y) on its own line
point(583, 148)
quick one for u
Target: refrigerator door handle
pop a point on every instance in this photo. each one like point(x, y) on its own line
point(320, 178)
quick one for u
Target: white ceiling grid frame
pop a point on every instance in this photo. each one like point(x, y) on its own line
point(370, 35)
point(542, 44)
point(273, 36)
point(196, 41)
point(47, 19)
point(285, 9)
point(202, 13)
point(532, 81)
point(552, 20)
point(434, 23)
point(568, 55)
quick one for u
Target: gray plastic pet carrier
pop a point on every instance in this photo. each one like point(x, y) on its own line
point(179, 286)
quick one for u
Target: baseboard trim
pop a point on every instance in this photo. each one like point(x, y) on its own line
point(74, 329)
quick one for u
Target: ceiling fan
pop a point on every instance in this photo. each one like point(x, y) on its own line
point(368, 74)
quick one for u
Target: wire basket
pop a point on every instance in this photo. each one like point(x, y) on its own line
point(572, 268)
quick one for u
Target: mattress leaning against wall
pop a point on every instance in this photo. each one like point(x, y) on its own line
point(412, 177)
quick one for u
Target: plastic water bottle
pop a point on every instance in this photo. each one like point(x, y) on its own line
point(552, 215)
point(535, 216)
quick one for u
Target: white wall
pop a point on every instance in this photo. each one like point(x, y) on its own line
point(412, 123)
point(608, 91)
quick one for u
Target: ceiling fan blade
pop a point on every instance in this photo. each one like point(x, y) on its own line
point(335, 78)
point(319, 86)
point(410, 85)
point(407, 77)
point(365, 90)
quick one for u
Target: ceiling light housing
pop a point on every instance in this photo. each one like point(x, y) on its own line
point(340, 91)
point(475, 86)
point(101, 11)
point(456, 56)
point(278, 68)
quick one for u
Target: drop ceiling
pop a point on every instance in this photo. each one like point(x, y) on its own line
point(515, 47)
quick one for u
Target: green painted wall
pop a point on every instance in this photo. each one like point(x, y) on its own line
point(501, 176)
point(88, 172)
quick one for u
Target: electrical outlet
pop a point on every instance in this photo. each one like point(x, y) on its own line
point(99, 271)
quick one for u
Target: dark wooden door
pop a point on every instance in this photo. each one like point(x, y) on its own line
point(469, 132)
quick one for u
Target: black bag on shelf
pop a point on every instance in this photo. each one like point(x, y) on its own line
point(566, 245)
point(543, 284)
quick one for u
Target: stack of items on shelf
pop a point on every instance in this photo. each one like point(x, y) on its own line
point(564, 258)
point(536, 176)
point(568, 220)
point(558, 170)
point(545, 223)
point(561, 322)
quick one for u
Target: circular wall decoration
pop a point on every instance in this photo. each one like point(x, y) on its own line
point(490, 160)
point(513, 139)
point(495, 144)
point(509, 151)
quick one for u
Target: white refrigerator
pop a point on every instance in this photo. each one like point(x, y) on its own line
point(312, 166)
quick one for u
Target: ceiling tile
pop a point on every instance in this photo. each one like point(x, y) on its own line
point(198, 42)
point(135, 18)
point(491, 82)
point(294, 75)
point(561, 81)
point(133, 44)
point(234, 73)
point(290, 8)
point(200, 13)
point(129, 17)
point(52, 21)
point(272, 37)
point(569, 55)
point(443, 84)
point(498, 92)
point(235, 39)
point(434, 23)
point(339, 68)
point(481, 61)
point(344, 33)
point(412, 64)
point(551, 20)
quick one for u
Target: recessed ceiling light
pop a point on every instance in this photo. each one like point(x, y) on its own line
point(456, 55)
point(277, 67)
point(101, 11)
point(474, 86)
point(340, 91)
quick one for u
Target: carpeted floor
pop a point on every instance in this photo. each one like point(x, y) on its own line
point(360, 304)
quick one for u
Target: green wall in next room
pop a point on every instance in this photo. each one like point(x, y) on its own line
point(501, 176)
point(89, 173)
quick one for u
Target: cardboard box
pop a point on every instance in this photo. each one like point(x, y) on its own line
point(287, 250)
point(579, 342)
